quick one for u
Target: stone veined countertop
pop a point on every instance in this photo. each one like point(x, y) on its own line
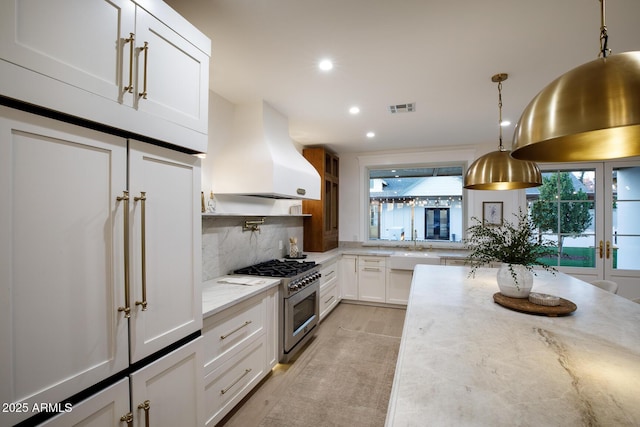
point(465, 360)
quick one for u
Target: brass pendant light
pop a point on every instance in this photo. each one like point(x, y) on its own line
point(498, 170)
point(590, 113)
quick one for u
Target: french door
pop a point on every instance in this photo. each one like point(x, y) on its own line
point(592, 211)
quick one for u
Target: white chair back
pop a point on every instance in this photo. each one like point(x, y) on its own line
point(607, 285)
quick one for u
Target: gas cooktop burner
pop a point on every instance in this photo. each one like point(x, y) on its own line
point(277, 268)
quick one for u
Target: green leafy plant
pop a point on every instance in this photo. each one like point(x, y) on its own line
point(510, 243)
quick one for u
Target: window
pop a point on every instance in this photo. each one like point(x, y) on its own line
point(419, 203)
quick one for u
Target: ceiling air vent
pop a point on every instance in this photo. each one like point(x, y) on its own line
point(402, 108)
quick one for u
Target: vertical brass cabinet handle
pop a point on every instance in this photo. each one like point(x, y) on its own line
point(126, 309)
point(246, 372)
point(601, 247)
point(608, 249)
point(143, 94)
point(129, 88)
point(146, 405)
point(143, 245)
point(127, 418)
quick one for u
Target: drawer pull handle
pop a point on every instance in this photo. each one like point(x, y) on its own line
point(246, 372)
point(247, 323)
point(330, 273)
point(371, 269)
point(332, 297)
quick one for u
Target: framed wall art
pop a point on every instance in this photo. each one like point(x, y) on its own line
point(492, 213)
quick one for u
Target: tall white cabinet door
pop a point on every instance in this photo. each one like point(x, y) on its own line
point(348, 272)
point(165, 248)
point(61, 259)
point(172, 73)
point(86, 49)
point(103, 409)
point(170, 391)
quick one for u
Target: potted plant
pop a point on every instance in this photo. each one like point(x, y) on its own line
point(516, 246)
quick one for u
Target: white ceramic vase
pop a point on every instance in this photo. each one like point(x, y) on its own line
point(519, 288)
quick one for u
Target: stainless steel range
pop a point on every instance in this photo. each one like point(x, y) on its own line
point(300, 302)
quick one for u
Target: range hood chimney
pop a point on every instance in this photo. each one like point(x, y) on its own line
point(261, 159)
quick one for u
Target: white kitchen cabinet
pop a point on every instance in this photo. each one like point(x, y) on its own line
point(165, 253)
point(65, 267)
point(372, 279)
point(103, 409)
point(61, 259)
point(240, 348)
point(398, 286)
point(329, 297)
point(349, 276)
point(168, 392)
point(94, 60)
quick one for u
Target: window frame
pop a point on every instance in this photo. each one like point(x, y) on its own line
point(440, 158)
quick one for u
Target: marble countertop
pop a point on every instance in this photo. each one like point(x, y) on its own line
point(218, 294)
point(465, 360)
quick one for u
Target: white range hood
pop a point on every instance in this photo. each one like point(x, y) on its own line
point(261, 159)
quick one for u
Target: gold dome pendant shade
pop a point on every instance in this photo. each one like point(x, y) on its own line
point(497, 170)
point(590, 113)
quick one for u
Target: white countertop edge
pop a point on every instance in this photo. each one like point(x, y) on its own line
point(217, 296)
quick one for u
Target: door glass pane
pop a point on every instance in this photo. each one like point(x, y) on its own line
point(563, 211)
point(625, 244)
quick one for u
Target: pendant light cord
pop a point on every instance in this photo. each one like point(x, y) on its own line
point(500, 113)
point(604, 37)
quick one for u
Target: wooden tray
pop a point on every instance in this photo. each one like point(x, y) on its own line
point(525, 306)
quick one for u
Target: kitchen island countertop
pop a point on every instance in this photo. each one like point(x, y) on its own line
point(465, 360)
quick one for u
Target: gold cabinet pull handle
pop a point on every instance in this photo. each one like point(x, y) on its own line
point(145, 48)
point(332, 297)
point(143, 245)
point(127, 418)
point(131, 38)
point(247, 323)
point(126, 309)
point(601, 247)
point(246, 372)
point(608, 249)
point(146, 405)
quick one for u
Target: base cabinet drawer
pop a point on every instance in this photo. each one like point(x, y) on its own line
point(328, 300)
point(224, 334)
point(227, 385)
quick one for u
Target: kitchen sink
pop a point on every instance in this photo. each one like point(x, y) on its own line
point(407, 260)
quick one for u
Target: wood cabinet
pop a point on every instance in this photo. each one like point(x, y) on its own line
point(80, 248)
point(240, 347)
point(372, 279)
point(329, 288)
point(321, 228)
point(136, 66)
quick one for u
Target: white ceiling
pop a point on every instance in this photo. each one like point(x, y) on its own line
point(440, 55)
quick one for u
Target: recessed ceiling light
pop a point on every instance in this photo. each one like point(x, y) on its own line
point(354, 110)
point(325, 65)
point(370, 134)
